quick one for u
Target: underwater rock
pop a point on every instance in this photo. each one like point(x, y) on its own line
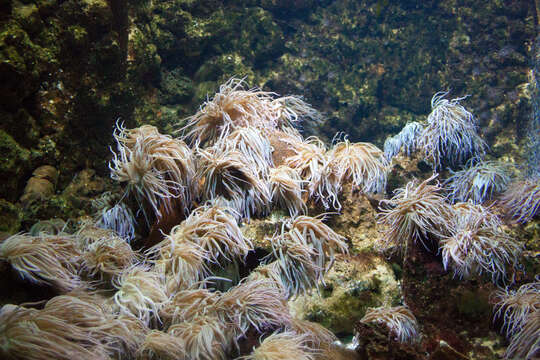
point(357, 220)
point(350, 287)
point(41, 185)
point(374, 343)
point(10, 217)
point(452, 310)
point(74, 201)
point(13, 164)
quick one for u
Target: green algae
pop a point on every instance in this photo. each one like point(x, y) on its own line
point(10, 217)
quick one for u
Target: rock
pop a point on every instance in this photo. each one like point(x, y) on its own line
point(10, 217)
point(37, 189)
point(41, 185)
point(357, 221)
point(351, 286)
point(13, 165)
point(46, 172)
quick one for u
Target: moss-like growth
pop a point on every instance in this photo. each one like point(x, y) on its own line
point(10, 217)
point(175, 87)
point(473, 304)
point(11, 171)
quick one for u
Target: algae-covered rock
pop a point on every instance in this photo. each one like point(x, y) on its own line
point(13, 164)
point(10, 217)
point(74, 201)
point(357, 221)
point(41, 185)
point(22, 63)
point(175, 87)
point(351, 286)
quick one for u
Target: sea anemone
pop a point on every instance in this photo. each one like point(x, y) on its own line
point(286, 187)
point(304, 253)
point(361, 163)
point(282, 346)
point(521, 200)
point(296, 266)
point(325, 241)
point(120, 219)
point(477, 244)
point(182, 262)
point(252, 144)
point(186, 305)
point(450, 136)
point(205, 337)
point(234, 107)
point(91, 312)
point(229, 174)
point(309, 160)
point(141, 293)
point(316, 335)
point(515, 306)
point(415, 212)
point(526, 343)
point(215, 230)
point(156, 167)
point(270, 271)
point(285, 144)
point(231, 107)
point(254, 304)
point(109, 256)
point(293, 111)
point(158, 345)
point(52, 260)
point(406, 139)
point(36, 335)
point(399, 320)
point(477, 182)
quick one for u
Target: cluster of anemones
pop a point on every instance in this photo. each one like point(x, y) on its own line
point(244, 158)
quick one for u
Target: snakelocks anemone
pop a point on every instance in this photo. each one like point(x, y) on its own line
point(210, 242)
